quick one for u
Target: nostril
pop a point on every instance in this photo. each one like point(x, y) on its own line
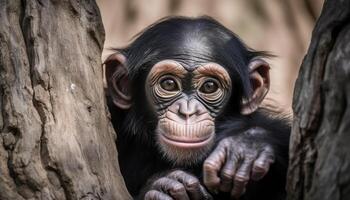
point(187, 111)
point(191, 111)
point(188, 108)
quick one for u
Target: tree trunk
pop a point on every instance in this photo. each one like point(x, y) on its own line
point(56, 140)
point(320, 142)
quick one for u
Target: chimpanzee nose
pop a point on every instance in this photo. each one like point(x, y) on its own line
point(189, 107)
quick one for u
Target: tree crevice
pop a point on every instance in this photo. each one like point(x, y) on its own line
point(319, 150)
point(46, 128)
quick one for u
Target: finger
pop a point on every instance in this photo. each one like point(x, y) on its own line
point(262, 164)
point(227, 173)
point(157, 195)
point(242, 177)
point(206, 195)
point(212, 166)
point(172, 187)
point(191, 183)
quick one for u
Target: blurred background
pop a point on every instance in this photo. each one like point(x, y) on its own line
point(282, 27)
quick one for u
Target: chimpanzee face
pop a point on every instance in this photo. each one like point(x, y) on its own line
point(186, 101)
point(188, 70)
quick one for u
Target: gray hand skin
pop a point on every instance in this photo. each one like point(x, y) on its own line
point(177, 185)
point(236, 160)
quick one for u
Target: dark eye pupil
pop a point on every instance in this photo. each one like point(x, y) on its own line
point(169, 85)
point(209, 87)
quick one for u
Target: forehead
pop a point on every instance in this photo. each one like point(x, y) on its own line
point(193, 52)
point(191, 47)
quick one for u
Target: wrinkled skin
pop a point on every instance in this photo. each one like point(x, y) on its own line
point(235, 161)
point(177, 185)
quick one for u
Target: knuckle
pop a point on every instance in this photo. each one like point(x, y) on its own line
point(241, 178)
point(268, 152)
point(210, 165)
point(178, 188)
point(228, 174)
point(250, 156)
point(153, 194)
point(176, 173)
point(268, 157)
point(259, 169)
point(260, 165)
point(248, 160)
point(192, 183)
point(160, 181)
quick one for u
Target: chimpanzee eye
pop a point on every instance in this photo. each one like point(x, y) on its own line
point(169, 84)
point(209, 86)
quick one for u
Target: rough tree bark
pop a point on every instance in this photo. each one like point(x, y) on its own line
point(56, 140)
point(320, 142)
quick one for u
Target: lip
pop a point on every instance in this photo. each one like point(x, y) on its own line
point(190, 143)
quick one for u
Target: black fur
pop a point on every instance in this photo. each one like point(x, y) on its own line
point(191, 41)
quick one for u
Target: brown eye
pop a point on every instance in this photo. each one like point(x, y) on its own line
point(169, 84)
point(209, 87)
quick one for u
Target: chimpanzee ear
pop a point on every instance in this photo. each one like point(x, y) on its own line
point(118, 81)
point(260, 80)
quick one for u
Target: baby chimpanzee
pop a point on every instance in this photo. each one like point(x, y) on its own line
point(184, 98)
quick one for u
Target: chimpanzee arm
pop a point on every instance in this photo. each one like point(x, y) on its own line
point(244, 154)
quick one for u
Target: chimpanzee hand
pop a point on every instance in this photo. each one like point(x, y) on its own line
point(236, 160)
point(177, 185)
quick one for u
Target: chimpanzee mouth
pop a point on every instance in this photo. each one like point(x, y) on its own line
point(186, 142)
point(181, 135)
